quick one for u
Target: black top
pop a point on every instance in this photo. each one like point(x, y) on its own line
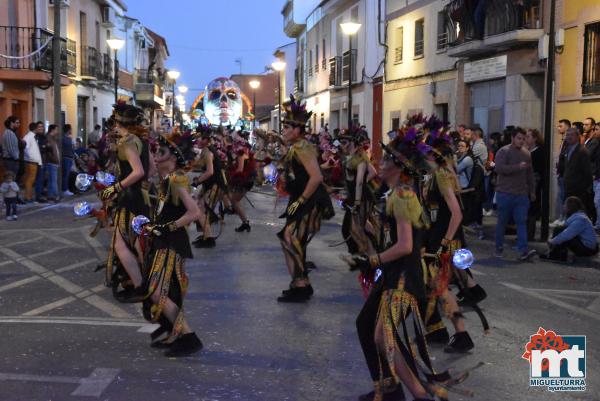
point(403, 203)
point(132, 198)
point(351, 177)
point(170, 208)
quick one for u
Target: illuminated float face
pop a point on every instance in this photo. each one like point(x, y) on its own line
point(222, 102)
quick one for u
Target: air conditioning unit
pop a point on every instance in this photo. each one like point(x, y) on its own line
point(108, 16)
point(63, 3)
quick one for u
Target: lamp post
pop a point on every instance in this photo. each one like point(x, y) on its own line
point(116, 44)
point(279, 66)
point(173, 76)
point(254, 84)
point(350, 29)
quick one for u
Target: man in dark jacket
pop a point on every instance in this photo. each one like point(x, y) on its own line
point(578, 170)
point(592, 145)
point(42, 141)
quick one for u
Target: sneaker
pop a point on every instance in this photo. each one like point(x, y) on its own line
point(14, 216)
point(459, 343)
point(499, 253)
point(528, 254)
point(9, 218)
point(556, 223)
point(68, 193)
point(488, 213)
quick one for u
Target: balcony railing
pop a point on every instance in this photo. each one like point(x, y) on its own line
point(442, 40)
point(105, 72)
point(18, 42)
point(90, 62)
point(346, 66)
point(335, 71)
point(465, 23)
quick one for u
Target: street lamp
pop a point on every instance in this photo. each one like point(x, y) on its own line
point(116, 44)
point(279, 66)
point(173, 76)
point(350, 29)
point(254, 84)
point(183, 89)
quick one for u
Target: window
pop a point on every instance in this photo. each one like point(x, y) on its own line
point(442, 30)
point(310, 63)
point(83, 38)
point(395, 123)
point(324, 56)
point(419, 38)
point(591, 60)
point(316, 58)
point(399, 50)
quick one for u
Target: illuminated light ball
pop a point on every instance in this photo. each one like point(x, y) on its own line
point(138, 222)
point(82, 209)
point(83, 182)
point(105, 179)
point(270, 172)
point(463, 259)
point(378, 274)
point(340, 203)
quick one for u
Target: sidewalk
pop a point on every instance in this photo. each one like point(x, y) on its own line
point(489, 230)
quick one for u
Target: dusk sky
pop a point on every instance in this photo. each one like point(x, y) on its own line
point(206, 37)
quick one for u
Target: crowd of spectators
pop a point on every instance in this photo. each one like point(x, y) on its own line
point(30, 163)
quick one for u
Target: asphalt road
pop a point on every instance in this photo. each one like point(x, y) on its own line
point(65, 338)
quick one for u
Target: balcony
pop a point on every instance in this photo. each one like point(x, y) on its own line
point(335, 71)
point(90, 63)
point(346, 66)
point(105, 72)
point(501, 25)
point(291, 28)
point(149, 88)
point(298, 82)
point(18, 42)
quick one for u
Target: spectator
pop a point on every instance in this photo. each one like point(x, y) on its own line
point(52, 162)
point(67, 158)
point(592, 145)
point(10, 145)
point(461, 130)
point(10, 191)
point(467, 135)
point(464, 163)
point(480, 157)
point(563, 126)
point(42, 141)
point(579, 126)
point(535, 145)
point(577, 235)
point(33, 160)
point(514, 189)
point(79, 148)
point(578, 170)
point(95, 135)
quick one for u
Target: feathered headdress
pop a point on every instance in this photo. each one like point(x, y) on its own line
point(180, 145)
point(295, 113)
point(204, 131)
point(127, 115)
point(356, 134)
point(408, 151)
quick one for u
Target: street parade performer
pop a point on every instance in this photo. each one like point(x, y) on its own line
point(130, 198)
point(359, 229)
point(213, 186)
point(242, 173)
point(393, 302)
point(167, 280)
point(445, 236)
point(308, 203)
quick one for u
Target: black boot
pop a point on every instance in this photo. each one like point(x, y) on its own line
point(184, 345)
point(131, 295)
point(308, 287)
point(439, 336)
point(471, 295)
point(244, 227)
point(295, 294)
point(459, 343)
point(308, 265)
point(394, 395)
point(207, 243)
point(198, 239)
point(165, 327)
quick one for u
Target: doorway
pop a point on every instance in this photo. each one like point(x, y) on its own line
point(82, 119)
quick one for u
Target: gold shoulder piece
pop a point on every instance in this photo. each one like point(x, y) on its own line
point(446, 179)
point(403, 204)
point(178, 180)
point(129, 142)
point(302, 150)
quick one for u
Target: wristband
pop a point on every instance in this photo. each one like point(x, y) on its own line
point(374, 260)
point(172, 226)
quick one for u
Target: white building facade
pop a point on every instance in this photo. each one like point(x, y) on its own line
point(420, 76)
